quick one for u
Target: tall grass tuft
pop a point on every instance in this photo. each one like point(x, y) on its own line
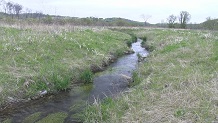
point(87, 76)
point(136, 79)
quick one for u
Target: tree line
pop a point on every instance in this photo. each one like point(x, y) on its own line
point(183, 19)
point(11, 8)
point(10, 11)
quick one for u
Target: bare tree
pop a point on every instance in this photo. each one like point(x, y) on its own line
point(1, 4)
point(17, 9)
point(28, 12)
point(208, 18)
point(145, 18)
point(184, 18)
point(171, 21)
point(4, 6)
point(39, 15)
point(10, 8)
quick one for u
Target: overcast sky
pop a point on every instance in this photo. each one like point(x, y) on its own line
point(157, 10)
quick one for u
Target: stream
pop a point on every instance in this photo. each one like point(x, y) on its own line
point(108, 83)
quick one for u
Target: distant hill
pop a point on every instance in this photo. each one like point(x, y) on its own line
point(211, 24)
point(88, 21)
point(123, 20)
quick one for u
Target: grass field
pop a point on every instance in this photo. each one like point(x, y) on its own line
point(51, 58)
point(178, 82)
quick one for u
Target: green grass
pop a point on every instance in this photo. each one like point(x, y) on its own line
point(87, 76)
point(127, 31)
point(102, 112)
point(178, 81)
point(52, 57)
point(54, 118)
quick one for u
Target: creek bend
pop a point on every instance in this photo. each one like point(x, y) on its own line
point(108, 83)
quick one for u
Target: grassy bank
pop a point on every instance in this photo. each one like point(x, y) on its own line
point(178, 81)
point(51, 58)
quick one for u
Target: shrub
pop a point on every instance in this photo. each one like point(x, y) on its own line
point(129, 43)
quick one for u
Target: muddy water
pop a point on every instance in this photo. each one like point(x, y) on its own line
point(106, 84)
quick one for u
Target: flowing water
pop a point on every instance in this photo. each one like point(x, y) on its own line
point(106, 84)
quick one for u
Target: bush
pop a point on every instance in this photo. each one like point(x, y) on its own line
point(129, 43)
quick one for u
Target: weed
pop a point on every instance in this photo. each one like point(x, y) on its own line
point(179, 113)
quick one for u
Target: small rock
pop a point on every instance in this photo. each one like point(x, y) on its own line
point(11, 99)
point(129, 52)
point(105, 63)
point(112, 59)
point(166, 85)
point(144, 55)
point(129, 79)
point(141, 57)
point(41, 93)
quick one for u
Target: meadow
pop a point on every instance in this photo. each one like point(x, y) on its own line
point(43, 58)
point(178, 81)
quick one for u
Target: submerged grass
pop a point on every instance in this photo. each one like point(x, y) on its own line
point(32, 118)
point(46, 58)
point(54, 118)
point(178, 81)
